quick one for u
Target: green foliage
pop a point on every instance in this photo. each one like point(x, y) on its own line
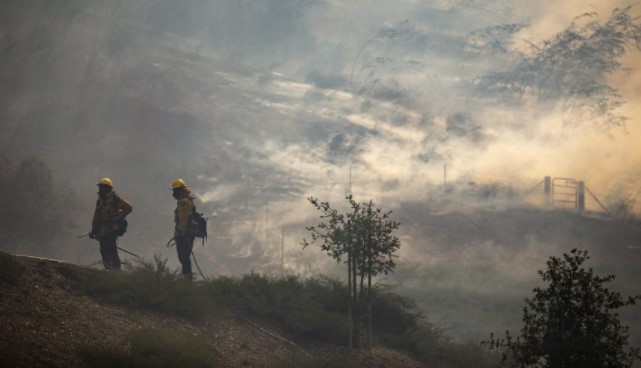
point(152, 285)
point(401, 324)
point(396, 314)
point(572, 322)
point(365, 235)
point(307, 307)
point(10, 270)
point(154, 348)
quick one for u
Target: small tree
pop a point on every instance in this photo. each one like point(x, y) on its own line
point(364, 235)
point(572, 322)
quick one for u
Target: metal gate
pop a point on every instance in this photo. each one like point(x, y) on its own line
point(564, 192)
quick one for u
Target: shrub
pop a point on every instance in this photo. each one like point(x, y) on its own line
point(394, 314)
point(314, 307)
point(152, 285)
point(495, 190)
point(621, 207)
point(10, 270)
point(157, 348)
point(307, 307)
point(572, 322)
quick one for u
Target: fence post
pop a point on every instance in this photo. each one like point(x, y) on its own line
point(547, 190)
point(580, 204)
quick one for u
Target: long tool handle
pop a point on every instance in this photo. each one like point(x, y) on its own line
point(127, 251)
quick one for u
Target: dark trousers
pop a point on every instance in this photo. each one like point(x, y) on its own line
point(184, 245)
point(109, 252)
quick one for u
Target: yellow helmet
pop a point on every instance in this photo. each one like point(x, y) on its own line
point(178, 183)
point(107, 182)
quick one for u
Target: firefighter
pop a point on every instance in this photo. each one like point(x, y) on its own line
point(109, 222)
point(182, 214)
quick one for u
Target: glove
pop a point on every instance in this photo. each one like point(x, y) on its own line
point(92, 235)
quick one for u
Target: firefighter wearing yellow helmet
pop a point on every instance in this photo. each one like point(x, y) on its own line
point(184, 239)
point(178, 183)
point(109, 222)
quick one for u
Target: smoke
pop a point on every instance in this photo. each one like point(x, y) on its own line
point(357, 118)
point(590, 155)
point(259, 106)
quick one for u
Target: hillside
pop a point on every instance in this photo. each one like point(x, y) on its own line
point(46, 319)
point(471, 268)
point(478, 266)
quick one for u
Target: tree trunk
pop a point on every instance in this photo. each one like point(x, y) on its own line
point(356, 304)
point(369, 307)
point(350, 298)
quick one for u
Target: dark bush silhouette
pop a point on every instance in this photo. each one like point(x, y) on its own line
point(34, 210)
point(572, 322)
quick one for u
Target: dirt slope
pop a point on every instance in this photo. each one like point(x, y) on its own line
point(44, 320)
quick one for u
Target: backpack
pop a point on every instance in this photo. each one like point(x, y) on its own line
point(197, 225)
point(122, 227)
point(122, 223)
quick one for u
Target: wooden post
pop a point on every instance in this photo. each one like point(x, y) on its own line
point(580, 193)
point(350, 298)
point(547, 191)
point(444, 174)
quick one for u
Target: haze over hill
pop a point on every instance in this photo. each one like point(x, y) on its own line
point(260, 105)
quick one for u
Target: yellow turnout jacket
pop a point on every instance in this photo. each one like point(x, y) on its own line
point(184, 208)
point(108, 210)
